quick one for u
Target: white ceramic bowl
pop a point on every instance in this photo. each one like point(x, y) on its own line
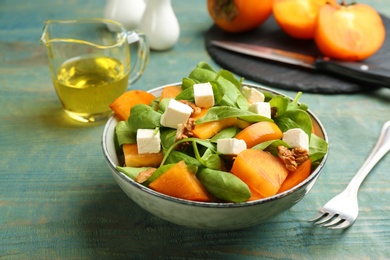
point(221, 216)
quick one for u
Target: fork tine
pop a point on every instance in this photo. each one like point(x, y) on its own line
point(317, 217)
point(326, 218)
point(342, 225)
point(334, 222)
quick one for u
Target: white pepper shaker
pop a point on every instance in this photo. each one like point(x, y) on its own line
point(160, 25)
point(127, 12)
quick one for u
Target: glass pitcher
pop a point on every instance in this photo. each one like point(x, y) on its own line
point(90, 66)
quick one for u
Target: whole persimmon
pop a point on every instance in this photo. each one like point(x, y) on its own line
point(349, 32)
point(239, 15)
point(298, 18)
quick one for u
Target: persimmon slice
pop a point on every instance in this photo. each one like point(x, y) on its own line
point(350, 33)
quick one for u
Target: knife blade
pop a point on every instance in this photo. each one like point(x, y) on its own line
point(357, 71)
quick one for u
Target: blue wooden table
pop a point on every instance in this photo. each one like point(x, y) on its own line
point(59, 200)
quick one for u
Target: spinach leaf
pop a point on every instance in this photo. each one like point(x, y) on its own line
point(280, 103)
point(187, 82)
point(143, 117)
point(318, 147)
point(295, 105)
point(168, 137)
point(176, 156)
point(222, 112)
point(132, 172)
point(212, 160)
point(229, 132)
point(205, 65)
point(186, 94)
point(163, 105)
point(270, 146)
point(224, 185)
point(295, 118)
point(123, 134)
point(202, 75)
point(231, 90)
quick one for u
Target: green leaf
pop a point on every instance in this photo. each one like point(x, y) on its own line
point(229, 132)
point(187, 82)
point(223, 185)
point(295, 118)
point(176, 156)
point(123, 134)
point(280, 103)
point(270, 146)
point(205, 65)
point(222, 112)
point(186, 94)
point(132, 172)
point(318, 147)
point(143, 117)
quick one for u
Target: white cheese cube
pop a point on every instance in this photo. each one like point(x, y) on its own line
point(261, 108)
point(175, 113)
point(204, 95)
point(252, 95)
point(231, 146)
point(148, 141)
point(296, 137)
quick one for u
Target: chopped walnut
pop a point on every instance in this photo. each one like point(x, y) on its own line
point(144, 175)
point(300, 154)
point(195, 109)
point(184, 131)
point(287, 157)
point(293, 157)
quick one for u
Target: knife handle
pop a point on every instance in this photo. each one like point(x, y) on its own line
point(361, 72)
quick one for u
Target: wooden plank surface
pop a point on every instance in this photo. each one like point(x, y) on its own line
point(59, 200)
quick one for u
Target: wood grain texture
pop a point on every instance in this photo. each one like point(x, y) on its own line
point(58, 199)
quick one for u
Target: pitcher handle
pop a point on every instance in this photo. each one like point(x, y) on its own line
point(142, 54)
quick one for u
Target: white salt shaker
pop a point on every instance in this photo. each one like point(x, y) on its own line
point(160, 25)
point(127, 12)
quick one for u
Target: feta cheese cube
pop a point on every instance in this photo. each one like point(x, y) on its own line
point(252, 95)
point(296, 137)
point(148, 141)
point(175, 113)
point(261, 108)
point(231, 146)
point(204, 95)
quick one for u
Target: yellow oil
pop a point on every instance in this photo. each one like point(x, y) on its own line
point(86, 86)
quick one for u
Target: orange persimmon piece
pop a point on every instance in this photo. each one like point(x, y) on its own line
point(203, 112)
point(260, 170)
point(255, 195)
point(297, 176)
point(170, 92)
point(179, 182)
point(209, 129)
point(134, 159)
point(122, 105)
point(259, 132)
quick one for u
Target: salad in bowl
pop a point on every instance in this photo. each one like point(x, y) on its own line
point(212, 141)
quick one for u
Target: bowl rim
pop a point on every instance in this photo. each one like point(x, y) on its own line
point(112, 165)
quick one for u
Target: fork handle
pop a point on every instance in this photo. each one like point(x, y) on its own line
point(381, 148)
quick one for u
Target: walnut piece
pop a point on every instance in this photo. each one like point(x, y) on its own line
point(291, 158)
point(287, 157)
point(300, 154)
point(144, 175)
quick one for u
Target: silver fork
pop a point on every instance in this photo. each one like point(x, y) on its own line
point(342, 210)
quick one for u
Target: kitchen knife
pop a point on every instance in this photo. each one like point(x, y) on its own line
point(358, 71)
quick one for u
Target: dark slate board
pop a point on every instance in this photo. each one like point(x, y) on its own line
point(284, 76)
